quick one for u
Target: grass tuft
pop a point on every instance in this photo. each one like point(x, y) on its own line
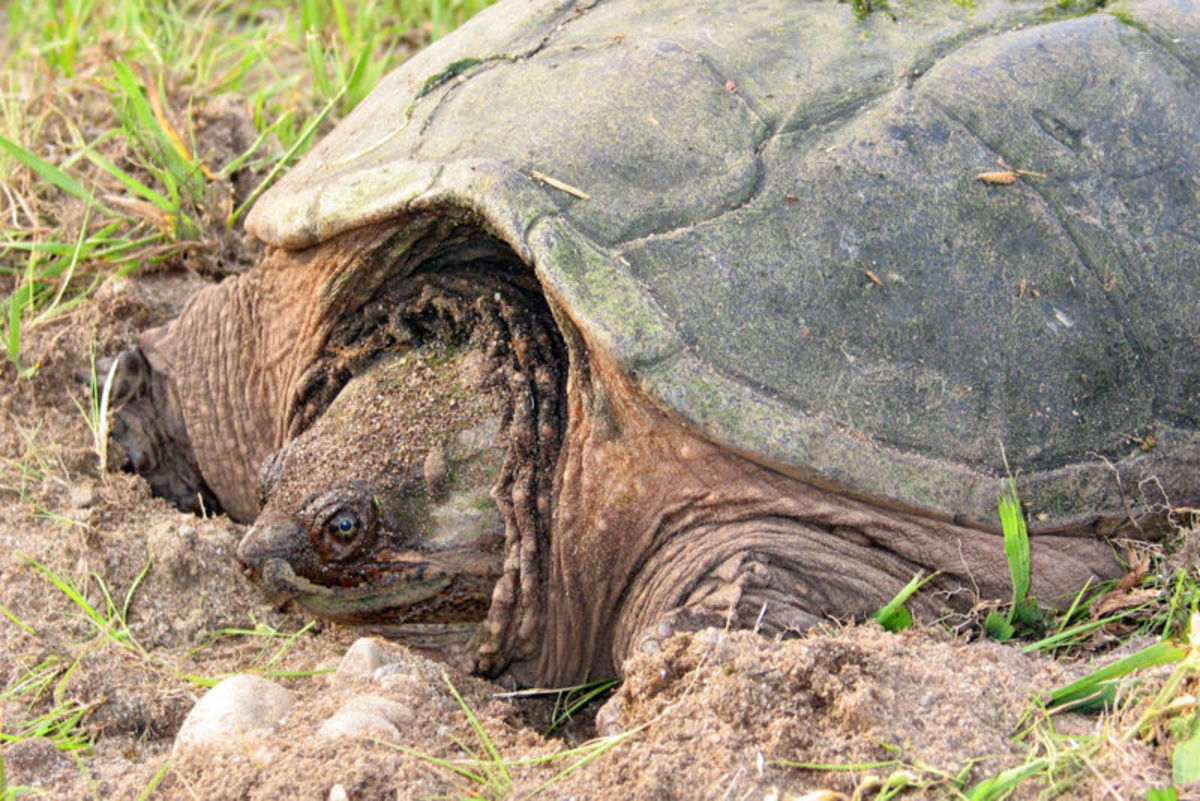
point(490, 775)
point(102, 127)
point(894, 615)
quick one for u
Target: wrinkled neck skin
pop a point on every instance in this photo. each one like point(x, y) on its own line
point(446, 282)
point(235, 356)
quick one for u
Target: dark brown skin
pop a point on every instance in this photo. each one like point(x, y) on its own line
point(616, 524)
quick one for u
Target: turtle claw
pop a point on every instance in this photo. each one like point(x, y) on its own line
point(608, 717)
point(683, 619)
point(129, 380)
point(147, 439)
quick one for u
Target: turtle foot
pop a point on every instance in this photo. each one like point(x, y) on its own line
point(148, 438)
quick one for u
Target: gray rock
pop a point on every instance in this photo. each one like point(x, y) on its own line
point(367, 716)
point(361, 661)
point(234, 714)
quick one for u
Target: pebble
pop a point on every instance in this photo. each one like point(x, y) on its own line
point(367, 716)
point(234, 714)
point(83, 496)
point(361, 661)
point(608, 717)
point(117, 286)
point(338, 793)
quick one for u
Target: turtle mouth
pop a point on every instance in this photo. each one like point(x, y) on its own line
point(267, 554)
point(363, 603)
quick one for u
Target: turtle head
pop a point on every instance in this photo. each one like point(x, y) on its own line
point(381, 512)
point(348, 554)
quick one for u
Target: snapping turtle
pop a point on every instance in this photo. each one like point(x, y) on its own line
point(755, 310)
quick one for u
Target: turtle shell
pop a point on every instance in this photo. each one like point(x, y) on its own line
point(876, 251)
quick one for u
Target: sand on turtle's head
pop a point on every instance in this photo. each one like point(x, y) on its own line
point(354, 528)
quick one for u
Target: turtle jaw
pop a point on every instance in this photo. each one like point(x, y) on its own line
point(385, 587)
point(361, 604)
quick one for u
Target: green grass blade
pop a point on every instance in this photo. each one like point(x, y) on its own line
point(132, 184)
point(288, 642)
point(1080, 629)
point(69, 589)
point(1185, 761)
point(65, 280)
point(592, 751)
point(486, 741)
point(1003, 783)
point(835, 766)
point(148, 790)
point(283, 163)
point(577, 698)
point(141, 574)
point(1158, 654)
point(48, 172)
point(146, 120)
point(4, 610)
point(1016, 541)
point(893, 615)
point(441, 763)
point(18, 301)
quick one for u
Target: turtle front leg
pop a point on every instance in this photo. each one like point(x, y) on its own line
point(151, 439)
point(658, 529)
point(769, 571)
point(727, 599)
point(807, 556)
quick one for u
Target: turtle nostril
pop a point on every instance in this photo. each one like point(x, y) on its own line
point(274, 539)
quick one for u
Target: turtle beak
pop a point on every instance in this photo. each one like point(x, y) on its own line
point(267, 542)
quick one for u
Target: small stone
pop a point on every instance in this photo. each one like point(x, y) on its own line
point(367, 716)
point(338, 793)
point(398, 682)
point(608, 717)
point(83, 496)
point(390, 710)
point(117, 286)
point(361, 661)
point(233, 714)
point(352, 725)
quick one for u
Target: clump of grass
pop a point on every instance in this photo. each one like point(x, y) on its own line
point(568, 701)
point(1154, 713)
point(100, 136)
point(1146, 712)
point(61, 721)
point(894, 615)
point(490, 775)
point(276, 644)
point(1139, 710)
point(864, 7)
point(45, 686)
point(1023, 611)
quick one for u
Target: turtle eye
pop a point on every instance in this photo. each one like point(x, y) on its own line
point(342, 535)
point(344, 527)
point(340, 521)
